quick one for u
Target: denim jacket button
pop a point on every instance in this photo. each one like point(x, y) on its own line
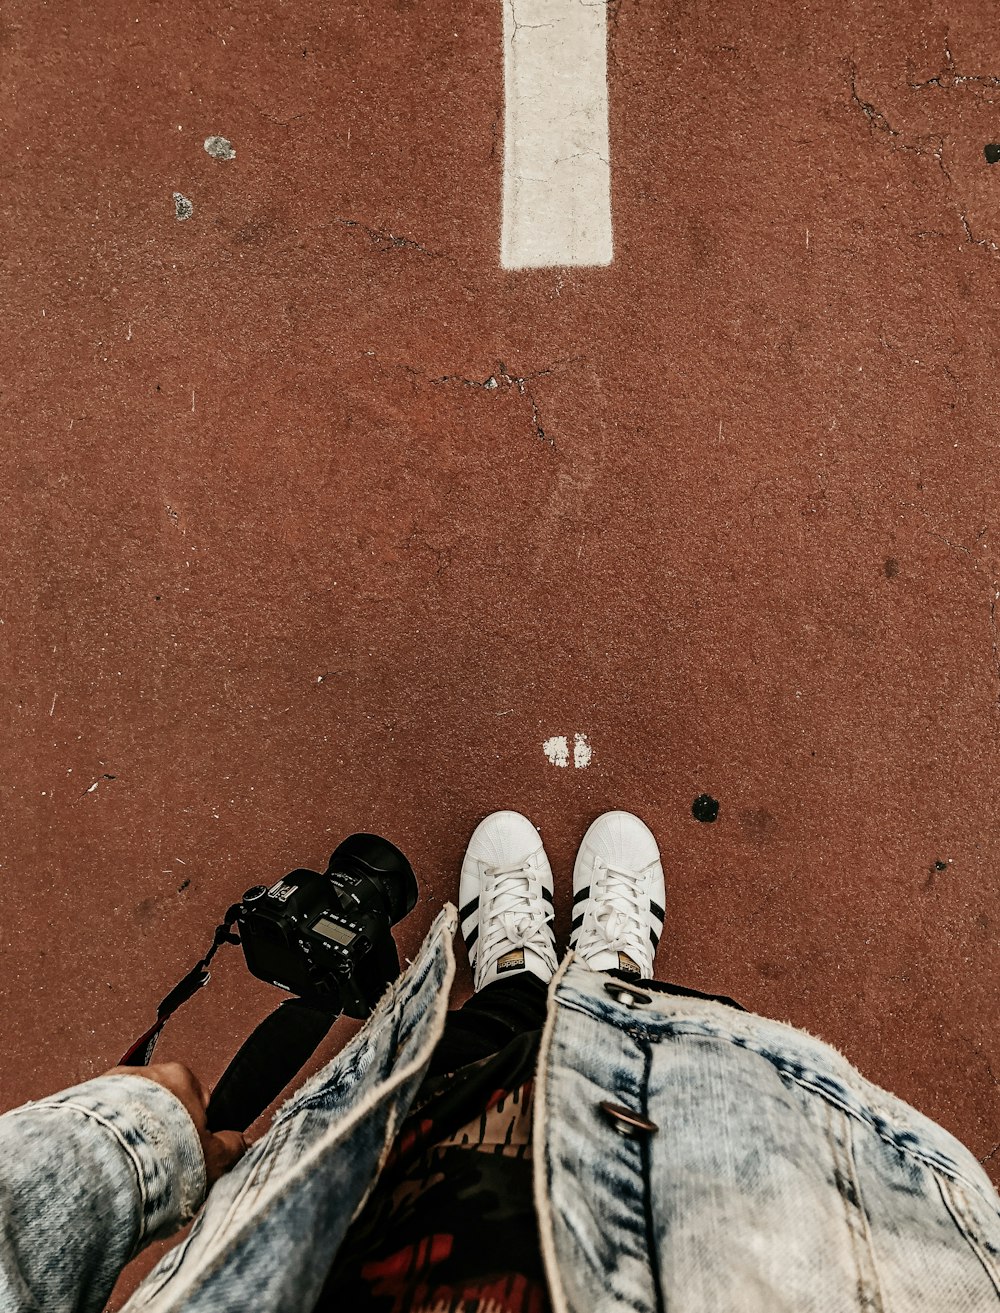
point(626, 996)
point(625, 1121)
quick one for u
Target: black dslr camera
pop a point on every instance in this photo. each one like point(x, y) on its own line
point(326, 938)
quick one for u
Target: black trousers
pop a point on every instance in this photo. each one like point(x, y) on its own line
point(503, 1009)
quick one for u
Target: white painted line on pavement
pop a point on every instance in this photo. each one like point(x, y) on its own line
point(556, 169)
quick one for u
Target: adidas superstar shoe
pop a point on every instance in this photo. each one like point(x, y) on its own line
point(505, 900)
point(619, 896)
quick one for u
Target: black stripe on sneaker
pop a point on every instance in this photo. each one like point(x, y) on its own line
point(471, 939)
point(657, 911)
point(577, 923)
point(469, 908)
point(655, 938)
point(581, 895)
point(549, 895)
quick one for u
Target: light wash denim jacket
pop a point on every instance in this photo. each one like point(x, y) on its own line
point(687, 1156)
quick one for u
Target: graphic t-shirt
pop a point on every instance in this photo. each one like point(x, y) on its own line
point(450, 1226)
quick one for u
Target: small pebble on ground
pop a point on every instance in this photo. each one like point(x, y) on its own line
point(219, 148)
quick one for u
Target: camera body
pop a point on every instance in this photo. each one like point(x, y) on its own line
point(327, 936)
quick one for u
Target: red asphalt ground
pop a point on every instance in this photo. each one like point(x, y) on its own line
point(275, 567)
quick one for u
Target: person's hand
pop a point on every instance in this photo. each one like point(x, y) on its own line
point(222, 1149)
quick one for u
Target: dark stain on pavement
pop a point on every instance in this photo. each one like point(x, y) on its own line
point(772, 970)
point(704, 808)
point(257, 230)
point(758, 824)
point(145, 910)
point(891, 567)
point(992, 152)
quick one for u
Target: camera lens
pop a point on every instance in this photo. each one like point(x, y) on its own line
point(383, 864)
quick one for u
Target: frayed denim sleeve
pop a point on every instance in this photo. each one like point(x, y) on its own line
point(88, 1177)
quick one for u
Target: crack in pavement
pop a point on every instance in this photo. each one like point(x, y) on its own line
point(386, 241)
point(503, 378)
point(949, 75)
point(976, 241)
point(932, 145)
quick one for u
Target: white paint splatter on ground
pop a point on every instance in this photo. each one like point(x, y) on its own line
point(220, 148)
point(557, 750)
point(182, 206)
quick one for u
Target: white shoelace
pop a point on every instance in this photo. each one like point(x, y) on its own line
point(517, 915)
point(621, 924)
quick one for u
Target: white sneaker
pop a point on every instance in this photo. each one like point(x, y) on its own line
point(505, 900)
point(619, 896)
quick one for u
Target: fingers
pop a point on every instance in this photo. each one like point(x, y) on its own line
point(233, 1144)
point(223, 1150)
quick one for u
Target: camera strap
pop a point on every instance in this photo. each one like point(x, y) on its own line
point(142, 1050)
